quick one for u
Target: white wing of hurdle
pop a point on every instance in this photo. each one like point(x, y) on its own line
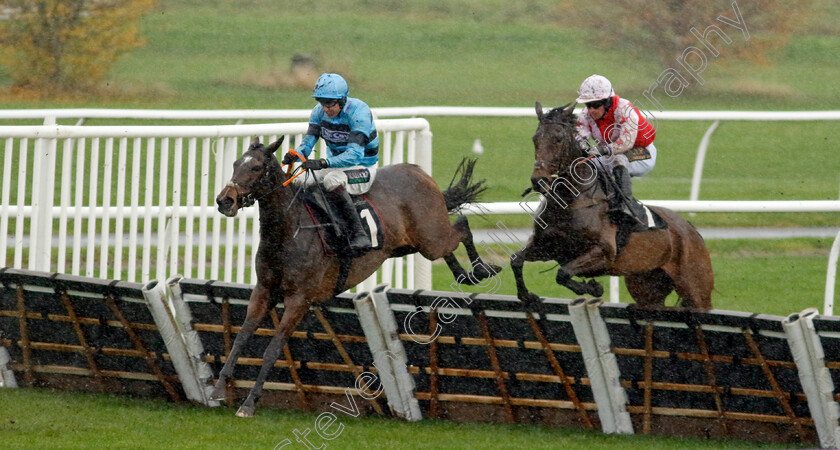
point(7, 377)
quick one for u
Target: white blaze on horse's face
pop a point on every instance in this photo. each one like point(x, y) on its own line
point(246, 171)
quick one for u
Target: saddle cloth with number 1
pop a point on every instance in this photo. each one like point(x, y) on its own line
point(333, 230)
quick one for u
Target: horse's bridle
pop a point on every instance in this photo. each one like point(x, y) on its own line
point(249, 199)
point(538, 163)
point(567, 170)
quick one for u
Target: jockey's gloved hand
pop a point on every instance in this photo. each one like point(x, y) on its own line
point(605, 150)
point(289, 158)
point(314, 164)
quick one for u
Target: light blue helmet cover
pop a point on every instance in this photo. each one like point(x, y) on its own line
point(331, 85)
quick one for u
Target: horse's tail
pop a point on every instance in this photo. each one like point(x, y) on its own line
point(464, 190)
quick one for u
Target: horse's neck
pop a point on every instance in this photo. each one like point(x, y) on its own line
point(277, 219)
point(569, 193)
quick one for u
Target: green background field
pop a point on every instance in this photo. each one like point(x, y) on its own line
point(214, 54)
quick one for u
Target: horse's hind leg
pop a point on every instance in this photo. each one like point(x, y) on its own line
point(457, 270)
point(692, 275)
point(296, 308)
point(258, 305)
point(651, 288)
point(695, 287)
point(480, 269)
point(436, 238)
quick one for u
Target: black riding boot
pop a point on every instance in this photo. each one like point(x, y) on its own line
point(631, 206)
point(359, 239)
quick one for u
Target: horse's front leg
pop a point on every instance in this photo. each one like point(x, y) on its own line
point(295, 308)
point(594, 260)
point(517, 260)
point(260, 302)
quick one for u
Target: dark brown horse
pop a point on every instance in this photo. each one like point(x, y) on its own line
point(291, 265)
point(574, 229)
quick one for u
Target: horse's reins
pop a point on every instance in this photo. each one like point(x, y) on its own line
point(247, 200)
point(289, 169)
point(292, 177)
point(557, 175)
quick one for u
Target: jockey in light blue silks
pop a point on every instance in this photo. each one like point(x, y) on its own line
point(346, 125)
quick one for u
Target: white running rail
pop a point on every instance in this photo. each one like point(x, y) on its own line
point(49, 116)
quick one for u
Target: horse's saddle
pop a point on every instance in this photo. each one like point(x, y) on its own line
point(334, 230)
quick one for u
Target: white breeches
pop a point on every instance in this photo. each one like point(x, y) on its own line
point(356, 179)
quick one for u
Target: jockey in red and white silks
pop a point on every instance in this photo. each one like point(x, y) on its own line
point(617, 126)
point(624, 138)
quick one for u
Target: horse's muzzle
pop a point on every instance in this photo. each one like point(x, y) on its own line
point(227, 204)
point(537, 183)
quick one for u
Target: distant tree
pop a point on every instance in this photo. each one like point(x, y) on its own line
point(661, 29)
point(59, 45)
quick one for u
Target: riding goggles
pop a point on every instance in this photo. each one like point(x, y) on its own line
point(596, 104)
point(327, 102)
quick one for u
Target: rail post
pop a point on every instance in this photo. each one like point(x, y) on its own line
point(43, 187)
point(701, 158)
point(831, 277)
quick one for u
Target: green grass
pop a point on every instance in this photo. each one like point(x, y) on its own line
point(201, 54)
point(39, 418)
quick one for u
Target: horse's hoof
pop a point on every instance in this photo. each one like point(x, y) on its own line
point(595, 288)
point(218, 391)
point(245, 411)
point(530, 298)
point(484, 271)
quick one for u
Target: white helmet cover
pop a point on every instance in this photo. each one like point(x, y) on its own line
point(595, 88)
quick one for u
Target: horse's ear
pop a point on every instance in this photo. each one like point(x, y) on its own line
point(569, 108)
point(538, 107)
point(255, 142)
point(275, 145)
